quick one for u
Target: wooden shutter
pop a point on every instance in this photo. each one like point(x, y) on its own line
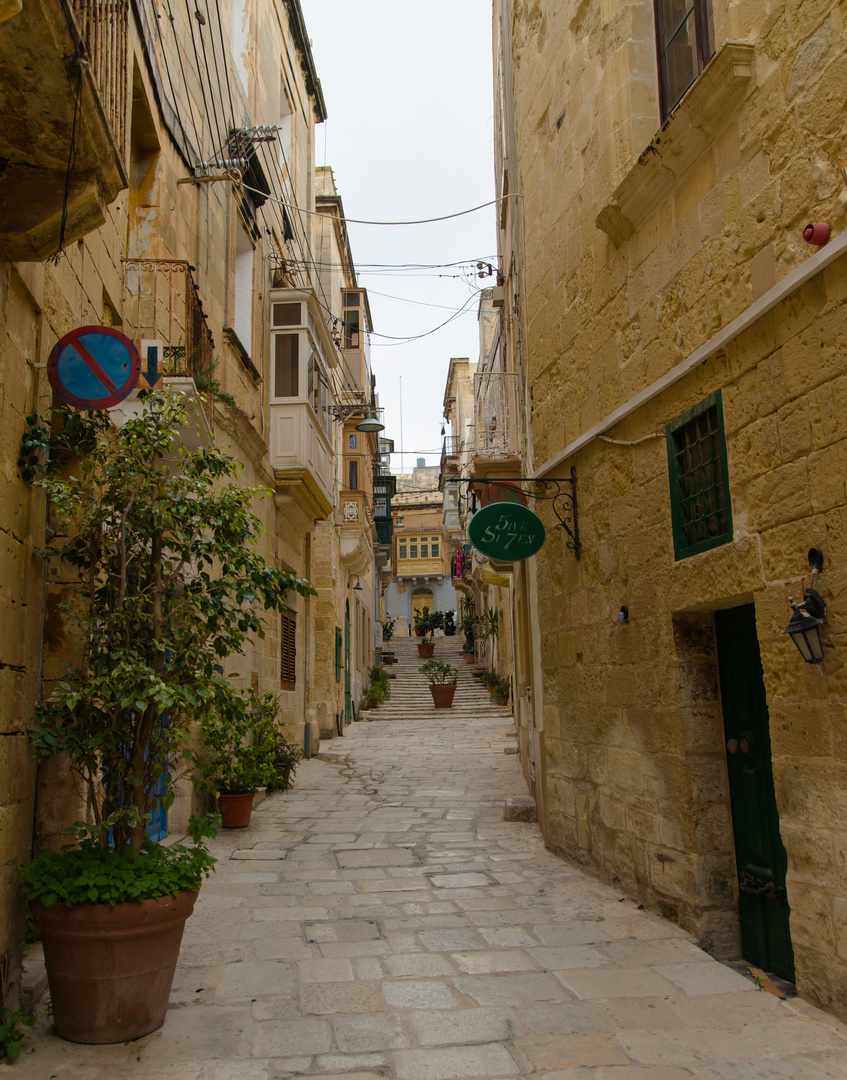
point(288, 650)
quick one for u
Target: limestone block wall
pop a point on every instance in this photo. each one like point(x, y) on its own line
point(621, 285)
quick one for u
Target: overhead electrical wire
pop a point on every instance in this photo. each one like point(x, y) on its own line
point(214, 137)
point(423, 221)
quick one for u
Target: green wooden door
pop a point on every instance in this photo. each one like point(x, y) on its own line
point(348, 700)
point(760, 856)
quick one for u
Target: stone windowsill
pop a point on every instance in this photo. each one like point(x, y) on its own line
point(243, 355)
point(680, 141)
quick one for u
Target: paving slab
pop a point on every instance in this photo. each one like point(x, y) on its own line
point(381, 921)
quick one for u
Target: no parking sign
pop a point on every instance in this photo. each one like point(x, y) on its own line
point(93, 367)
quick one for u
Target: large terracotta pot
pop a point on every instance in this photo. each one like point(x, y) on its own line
point(426, 650)
point(442, 696)
point(470, 657)
point(236, 809)
point(110, 969)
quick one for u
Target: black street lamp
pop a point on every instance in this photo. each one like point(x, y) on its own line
point(805, 624)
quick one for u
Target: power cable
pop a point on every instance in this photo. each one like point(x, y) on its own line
point(177, 113)
point(213, 139)
point(420, 221)
point(217, 72)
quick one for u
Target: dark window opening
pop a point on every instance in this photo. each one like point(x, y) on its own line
point(685, 44)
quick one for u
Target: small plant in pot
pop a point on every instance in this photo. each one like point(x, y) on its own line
point(428, 624)
point(500, 691)
point(165, 583)
point(469, 649)
point(239, 742)
point(387, 634)
point(379, 690)
point(442, 682)
point(421, 621)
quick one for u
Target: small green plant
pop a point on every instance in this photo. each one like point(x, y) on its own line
point(427, 622)
point(757, 982)
point(470, 644)
point(379, 690)
point(92, 874)
point(488, 626)
point(438, 673)
point(489, 678)
point(10, 1031)
point(243, 748)
point(388, 629)
point(500, 691)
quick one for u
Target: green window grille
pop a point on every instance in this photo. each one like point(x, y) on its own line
point(700, 505)
point(424, 551)
point(339, 653)
point(435, 551)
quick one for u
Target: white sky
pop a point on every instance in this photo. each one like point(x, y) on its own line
point(408, 90)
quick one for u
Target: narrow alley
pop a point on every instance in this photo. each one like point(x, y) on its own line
point(383, 920)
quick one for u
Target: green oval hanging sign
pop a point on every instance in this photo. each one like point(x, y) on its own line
point(506, 531)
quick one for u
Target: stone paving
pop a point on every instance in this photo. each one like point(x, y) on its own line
point(382, 920)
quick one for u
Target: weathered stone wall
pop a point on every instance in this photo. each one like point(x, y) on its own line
point(157, 218)
point(635, 756)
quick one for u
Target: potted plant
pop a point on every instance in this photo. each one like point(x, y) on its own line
point(442, 682)
point(427, 624)
point(166, 583)
point(236, 759)
point(379, 689)
point(387, 634)
point(421, 621)
point(500, 691)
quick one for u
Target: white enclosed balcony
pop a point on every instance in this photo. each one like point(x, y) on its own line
point(302, 452)
point(496, 415)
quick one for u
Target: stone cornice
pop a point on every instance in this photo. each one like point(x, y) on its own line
point(681, 140)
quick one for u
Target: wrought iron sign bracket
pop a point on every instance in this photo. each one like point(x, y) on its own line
point(556, 492)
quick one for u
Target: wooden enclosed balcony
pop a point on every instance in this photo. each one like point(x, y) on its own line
point(64, 87)
point(496, 417)
point(302, 449)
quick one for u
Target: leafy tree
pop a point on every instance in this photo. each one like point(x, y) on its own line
point(162, 543)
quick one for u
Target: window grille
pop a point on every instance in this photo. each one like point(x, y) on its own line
point(700, 505)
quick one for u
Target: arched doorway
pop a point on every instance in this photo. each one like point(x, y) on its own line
point(421, 598)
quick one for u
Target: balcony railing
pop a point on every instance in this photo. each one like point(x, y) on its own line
point(450, 447)
point(496, 414)
point(102, 27)
point(161, 302)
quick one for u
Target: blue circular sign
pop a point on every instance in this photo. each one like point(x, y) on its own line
point(93, 367)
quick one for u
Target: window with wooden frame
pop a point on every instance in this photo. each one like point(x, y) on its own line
point(288, 650)
point(685, 43)
point(701, 512)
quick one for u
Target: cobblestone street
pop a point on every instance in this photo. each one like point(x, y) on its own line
point(383, 920)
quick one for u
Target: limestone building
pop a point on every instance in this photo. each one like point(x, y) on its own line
point(159, 178)
point(420, 558)
point(675, 344)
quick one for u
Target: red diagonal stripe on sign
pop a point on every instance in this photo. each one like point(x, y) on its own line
point(95, 367)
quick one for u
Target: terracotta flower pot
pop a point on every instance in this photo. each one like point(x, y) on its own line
point(470, 657)
point(426, 650)
point(442, 695)
point(110, 969)
point(236, 809)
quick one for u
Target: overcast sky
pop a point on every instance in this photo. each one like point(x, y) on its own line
point(408, 90)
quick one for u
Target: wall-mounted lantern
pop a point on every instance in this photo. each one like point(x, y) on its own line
point(805, 624)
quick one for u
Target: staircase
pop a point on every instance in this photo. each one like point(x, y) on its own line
point(410, 696)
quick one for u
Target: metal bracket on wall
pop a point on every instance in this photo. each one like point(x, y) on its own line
point(553, 491)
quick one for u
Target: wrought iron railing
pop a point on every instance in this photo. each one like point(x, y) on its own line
point(161, 301)
point(496, 414)
point(450, 447)
point(103, 28)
